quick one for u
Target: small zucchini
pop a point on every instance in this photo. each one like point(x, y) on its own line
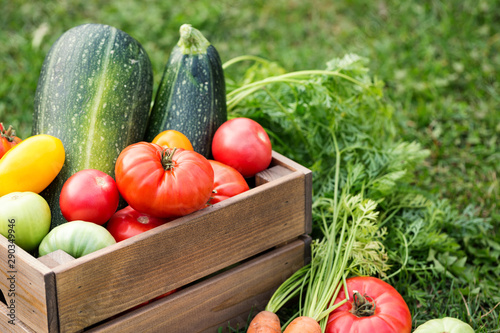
point(191, 97)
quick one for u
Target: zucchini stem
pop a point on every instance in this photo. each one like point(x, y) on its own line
point(192, 41)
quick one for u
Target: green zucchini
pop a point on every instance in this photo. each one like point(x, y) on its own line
point(94, 93)
point(191, 97)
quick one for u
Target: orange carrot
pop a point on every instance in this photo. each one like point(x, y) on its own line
point(265, 322)
point(303, 324)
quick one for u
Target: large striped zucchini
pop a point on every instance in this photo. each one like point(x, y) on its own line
point(191, 97)
point(94, 93)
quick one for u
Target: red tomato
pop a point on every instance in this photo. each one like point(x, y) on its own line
point(227, 182)
point(128, 222)
point(243, 144)
point(163, 182)
point(8, 139)
point(387, 313)
point(89, 195)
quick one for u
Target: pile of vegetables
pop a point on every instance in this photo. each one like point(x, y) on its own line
point(101, 167)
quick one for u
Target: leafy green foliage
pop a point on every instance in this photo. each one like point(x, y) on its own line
point(340, 117)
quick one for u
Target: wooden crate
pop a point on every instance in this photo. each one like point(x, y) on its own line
point(57, 293)
point(224, 299)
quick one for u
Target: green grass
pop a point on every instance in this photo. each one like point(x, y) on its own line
point(440, 62)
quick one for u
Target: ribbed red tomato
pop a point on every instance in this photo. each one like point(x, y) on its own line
point(8, 139)
point(163, 182)
point(128, 222)
point(227, 182)
point(373, 306)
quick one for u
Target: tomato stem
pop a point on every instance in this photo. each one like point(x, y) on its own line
point(167, 158)
point(363, 306)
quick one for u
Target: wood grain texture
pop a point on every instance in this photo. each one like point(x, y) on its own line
point(270, 174)
point(179, 252)
point(5, 327)
point(34, 288)
point(284, 161)
point(225, 298)
point(55, 258)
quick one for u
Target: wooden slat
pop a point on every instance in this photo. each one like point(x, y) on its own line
point(35, 302)
point(284, 161)
point(270, 174)
point(55, 258)
point(102, 284)
point(215, 302)
point(279, 159)
point(5, 327)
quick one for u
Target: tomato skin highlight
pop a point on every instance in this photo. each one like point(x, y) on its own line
point(89, 195)
point(151, 188)
point(391, 315)
point(228, 182)
point(128, 222)
point(243, 144)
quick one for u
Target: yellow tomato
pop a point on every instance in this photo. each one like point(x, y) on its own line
point(173, 139)
point(31, 165)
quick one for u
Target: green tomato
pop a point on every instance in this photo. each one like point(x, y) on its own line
point(76, 238)
point(444, 325)
point(24, 219)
